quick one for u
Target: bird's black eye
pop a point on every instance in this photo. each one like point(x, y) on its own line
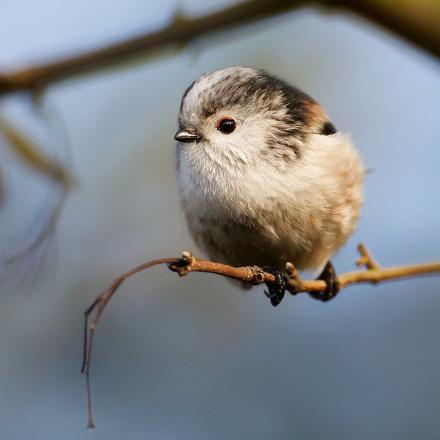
point(226, 125)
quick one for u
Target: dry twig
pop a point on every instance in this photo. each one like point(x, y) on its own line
point(253, 275)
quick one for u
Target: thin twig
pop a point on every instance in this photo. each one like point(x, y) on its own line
point(414, 20)
point(98, 306)
point(365, 259)
point(253, 275)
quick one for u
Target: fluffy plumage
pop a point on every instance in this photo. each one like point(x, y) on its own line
point(284, 186)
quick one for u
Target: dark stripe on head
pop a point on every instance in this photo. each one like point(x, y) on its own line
point(328, 128)
point(295, 114)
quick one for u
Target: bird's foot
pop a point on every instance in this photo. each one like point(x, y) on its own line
point(276, 290)
point(329, 276)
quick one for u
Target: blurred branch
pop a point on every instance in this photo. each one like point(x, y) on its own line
point(26, 254)
point(415, 20)
point(252, 275)
point(33, 156)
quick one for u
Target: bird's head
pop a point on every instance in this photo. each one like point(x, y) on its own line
point(241, 115)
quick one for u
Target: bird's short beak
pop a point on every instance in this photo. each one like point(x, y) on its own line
point(187, 135)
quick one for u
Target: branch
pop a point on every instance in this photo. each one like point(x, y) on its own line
point(252, 275)
point(179, 32)
point(415, 20)
point(33, 156)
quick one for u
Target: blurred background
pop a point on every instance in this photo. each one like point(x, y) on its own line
point(196, 358)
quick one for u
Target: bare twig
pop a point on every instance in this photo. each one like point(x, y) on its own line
point(253, 275)
point(98, 306)
point(413, 20)
point(365, 259)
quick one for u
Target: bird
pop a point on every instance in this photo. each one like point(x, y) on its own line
point(264, 177)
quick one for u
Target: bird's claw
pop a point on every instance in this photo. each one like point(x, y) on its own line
point(329, 276)
point(276, 289)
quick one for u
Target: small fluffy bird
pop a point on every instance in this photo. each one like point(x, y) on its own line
point(264, 177)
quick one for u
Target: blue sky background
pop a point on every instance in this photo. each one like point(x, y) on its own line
point(195, 358)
